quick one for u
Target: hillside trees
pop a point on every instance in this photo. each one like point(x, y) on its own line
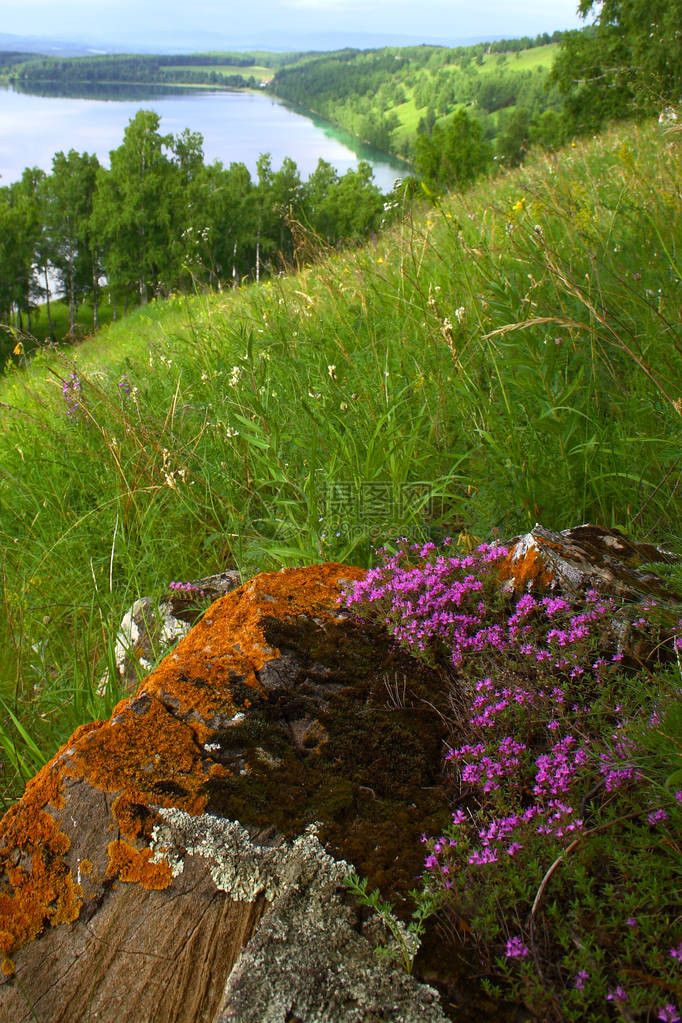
point(134, 207)
point(453, 154)
point(161, 220)
point(341, 208)
point(277, 200)
point(20, 231)
point(513, 141)
point(628, 63)
point(220, 241)
point(66, 198)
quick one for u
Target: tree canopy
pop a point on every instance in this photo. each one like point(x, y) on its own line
point(162, 220)
point(454, 154)
point(627, 63)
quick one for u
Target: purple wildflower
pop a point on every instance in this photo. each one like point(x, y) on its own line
point(515, 949)
point(580, 978)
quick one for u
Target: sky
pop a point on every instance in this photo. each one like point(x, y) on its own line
point(143, 21)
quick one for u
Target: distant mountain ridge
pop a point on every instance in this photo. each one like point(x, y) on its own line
point(276, 42)
point(50, 47)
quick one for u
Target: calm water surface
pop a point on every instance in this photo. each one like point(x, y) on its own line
point(236, 127)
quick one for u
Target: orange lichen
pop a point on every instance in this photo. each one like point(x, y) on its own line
point(40, 889)
point(229, 642)
point(7, 967)
point(150, 752)
point(40, 894)
point(145, 753)
point(131, 816)
point(526, 571)
point(133, 865)
point(85, 866)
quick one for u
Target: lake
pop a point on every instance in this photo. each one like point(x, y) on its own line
point(236, 127)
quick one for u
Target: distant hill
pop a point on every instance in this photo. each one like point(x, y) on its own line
point(166, 41)
point(49, 47)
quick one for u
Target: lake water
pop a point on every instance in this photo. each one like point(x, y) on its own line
point(236, 127)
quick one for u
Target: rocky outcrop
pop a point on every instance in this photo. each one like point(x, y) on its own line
point(184, 861)
point(583, 558)
point(150, 627)
point(128, 891)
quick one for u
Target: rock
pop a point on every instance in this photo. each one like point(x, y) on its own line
point(583, 558)
point(161, 866)
point(184, 860)
point(148, 629)
point(306, 922)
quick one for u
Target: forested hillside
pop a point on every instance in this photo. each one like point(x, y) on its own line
point(389, 96)
point(227, 70)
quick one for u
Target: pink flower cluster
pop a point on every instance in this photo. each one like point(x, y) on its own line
point(541, 663)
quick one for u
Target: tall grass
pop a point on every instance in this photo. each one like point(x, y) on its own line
point(511, 354)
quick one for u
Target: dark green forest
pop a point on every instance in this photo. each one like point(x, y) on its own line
point(139, 68)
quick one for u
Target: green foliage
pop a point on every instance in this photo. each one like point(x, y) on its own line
point(628, 63)
point(406, 937)
point(20, 230)
point(161, 220)
point(454, 154)
point(135, 208)
point(513, 142)
point(341, 209)
point(68, 243)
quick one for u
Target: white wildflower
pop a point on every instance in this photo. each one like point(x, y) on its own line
point(667, 117)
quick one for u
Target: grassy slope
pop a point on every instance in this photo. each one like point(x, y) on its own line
point(525, 60)
point(513, 355)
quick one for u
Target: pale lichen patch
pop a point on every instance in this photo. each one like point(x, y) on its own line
point(239, 866)
point(306, 960)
